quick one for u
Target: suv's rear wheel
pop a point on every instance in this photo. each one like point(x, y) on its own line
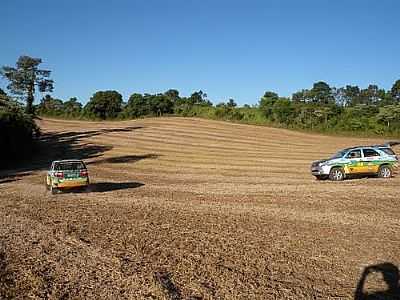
point(384, 172)
point(336, 174)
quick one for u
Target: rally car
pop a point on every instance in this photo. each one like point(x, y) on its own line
point(67, 174)
point(378, 160)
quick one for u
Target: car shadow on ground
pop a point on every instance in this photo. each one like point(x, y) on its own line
point(102, 187)
point(390, 275)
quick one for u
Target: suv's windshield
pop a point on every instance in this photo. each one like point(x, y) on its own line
point(69, 166)
point(339, 154)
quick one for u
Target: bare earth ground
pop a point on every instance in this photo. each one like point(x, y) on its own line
point(187, 208)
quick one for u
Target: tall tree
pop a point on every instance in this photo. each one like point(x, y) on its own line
point(301, 96)
point(371, 95)
point(172, 94)
point(104, 104)
point(137, 106)
point(321, 93)
point(389, 114)
point(231, 103)
point(50, 106)
point(339, 95)
point(395, 91)
point(282, 111)
point(352, 95)
point(267, 102)
point(72, 107)
point(26, 77)
point(388, 99)
point(199, 98)
point(160, 104)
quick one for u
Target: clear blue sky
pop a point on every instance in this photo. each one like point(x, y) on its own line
point(227, 48)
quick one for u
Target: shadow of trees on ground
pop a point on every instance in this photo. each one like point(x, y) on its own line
point(124, 159)
point(4, 178)
point(78, 135)
point(60, 145)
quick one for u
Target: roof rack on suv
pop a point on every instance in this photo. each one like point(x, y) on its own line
point(387, 144)
point(364, 146)
point(393, 143)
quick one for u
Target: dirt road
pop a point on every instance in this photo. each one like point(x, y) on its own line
point(186, 208)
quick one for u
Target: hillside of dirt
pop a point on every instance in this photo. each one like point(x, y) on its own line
point(185, 208)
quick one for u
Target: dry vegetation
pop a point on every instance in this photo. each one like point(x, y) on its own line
point(193, 209)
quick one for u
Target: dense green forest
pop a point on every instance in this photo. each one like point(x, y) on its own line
point(321, 108)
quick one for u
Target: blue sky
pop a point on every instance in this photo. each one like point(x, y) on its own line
point(227, 48)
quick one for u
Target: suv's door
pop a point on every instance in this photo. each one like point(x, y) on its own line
point(354, 162)
point(370, 160)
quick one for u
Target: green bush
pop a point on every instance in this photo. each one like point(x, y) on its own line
point(18, 130)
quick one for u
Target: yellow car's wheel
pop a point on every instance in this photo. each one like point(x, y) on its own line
point(53, 190)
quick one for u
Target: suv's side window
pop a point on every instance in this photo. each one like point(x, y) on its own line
point(370, 153)
point(388, 151)
point(354, 154)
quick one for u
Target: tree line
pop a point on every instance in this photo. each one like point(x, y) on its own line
point(348, 108)
point(371, 110)
point(110, 105)
point(321, 108)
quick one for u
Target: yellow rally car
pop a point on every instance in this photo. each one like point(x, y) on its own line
point(67, 174)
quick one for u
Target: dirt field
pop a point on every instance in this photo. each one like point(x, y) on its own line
point(187, 208)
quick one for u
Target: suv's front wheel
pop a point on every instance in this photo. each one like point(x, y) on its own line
point(384, 172)
point(336, 174)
